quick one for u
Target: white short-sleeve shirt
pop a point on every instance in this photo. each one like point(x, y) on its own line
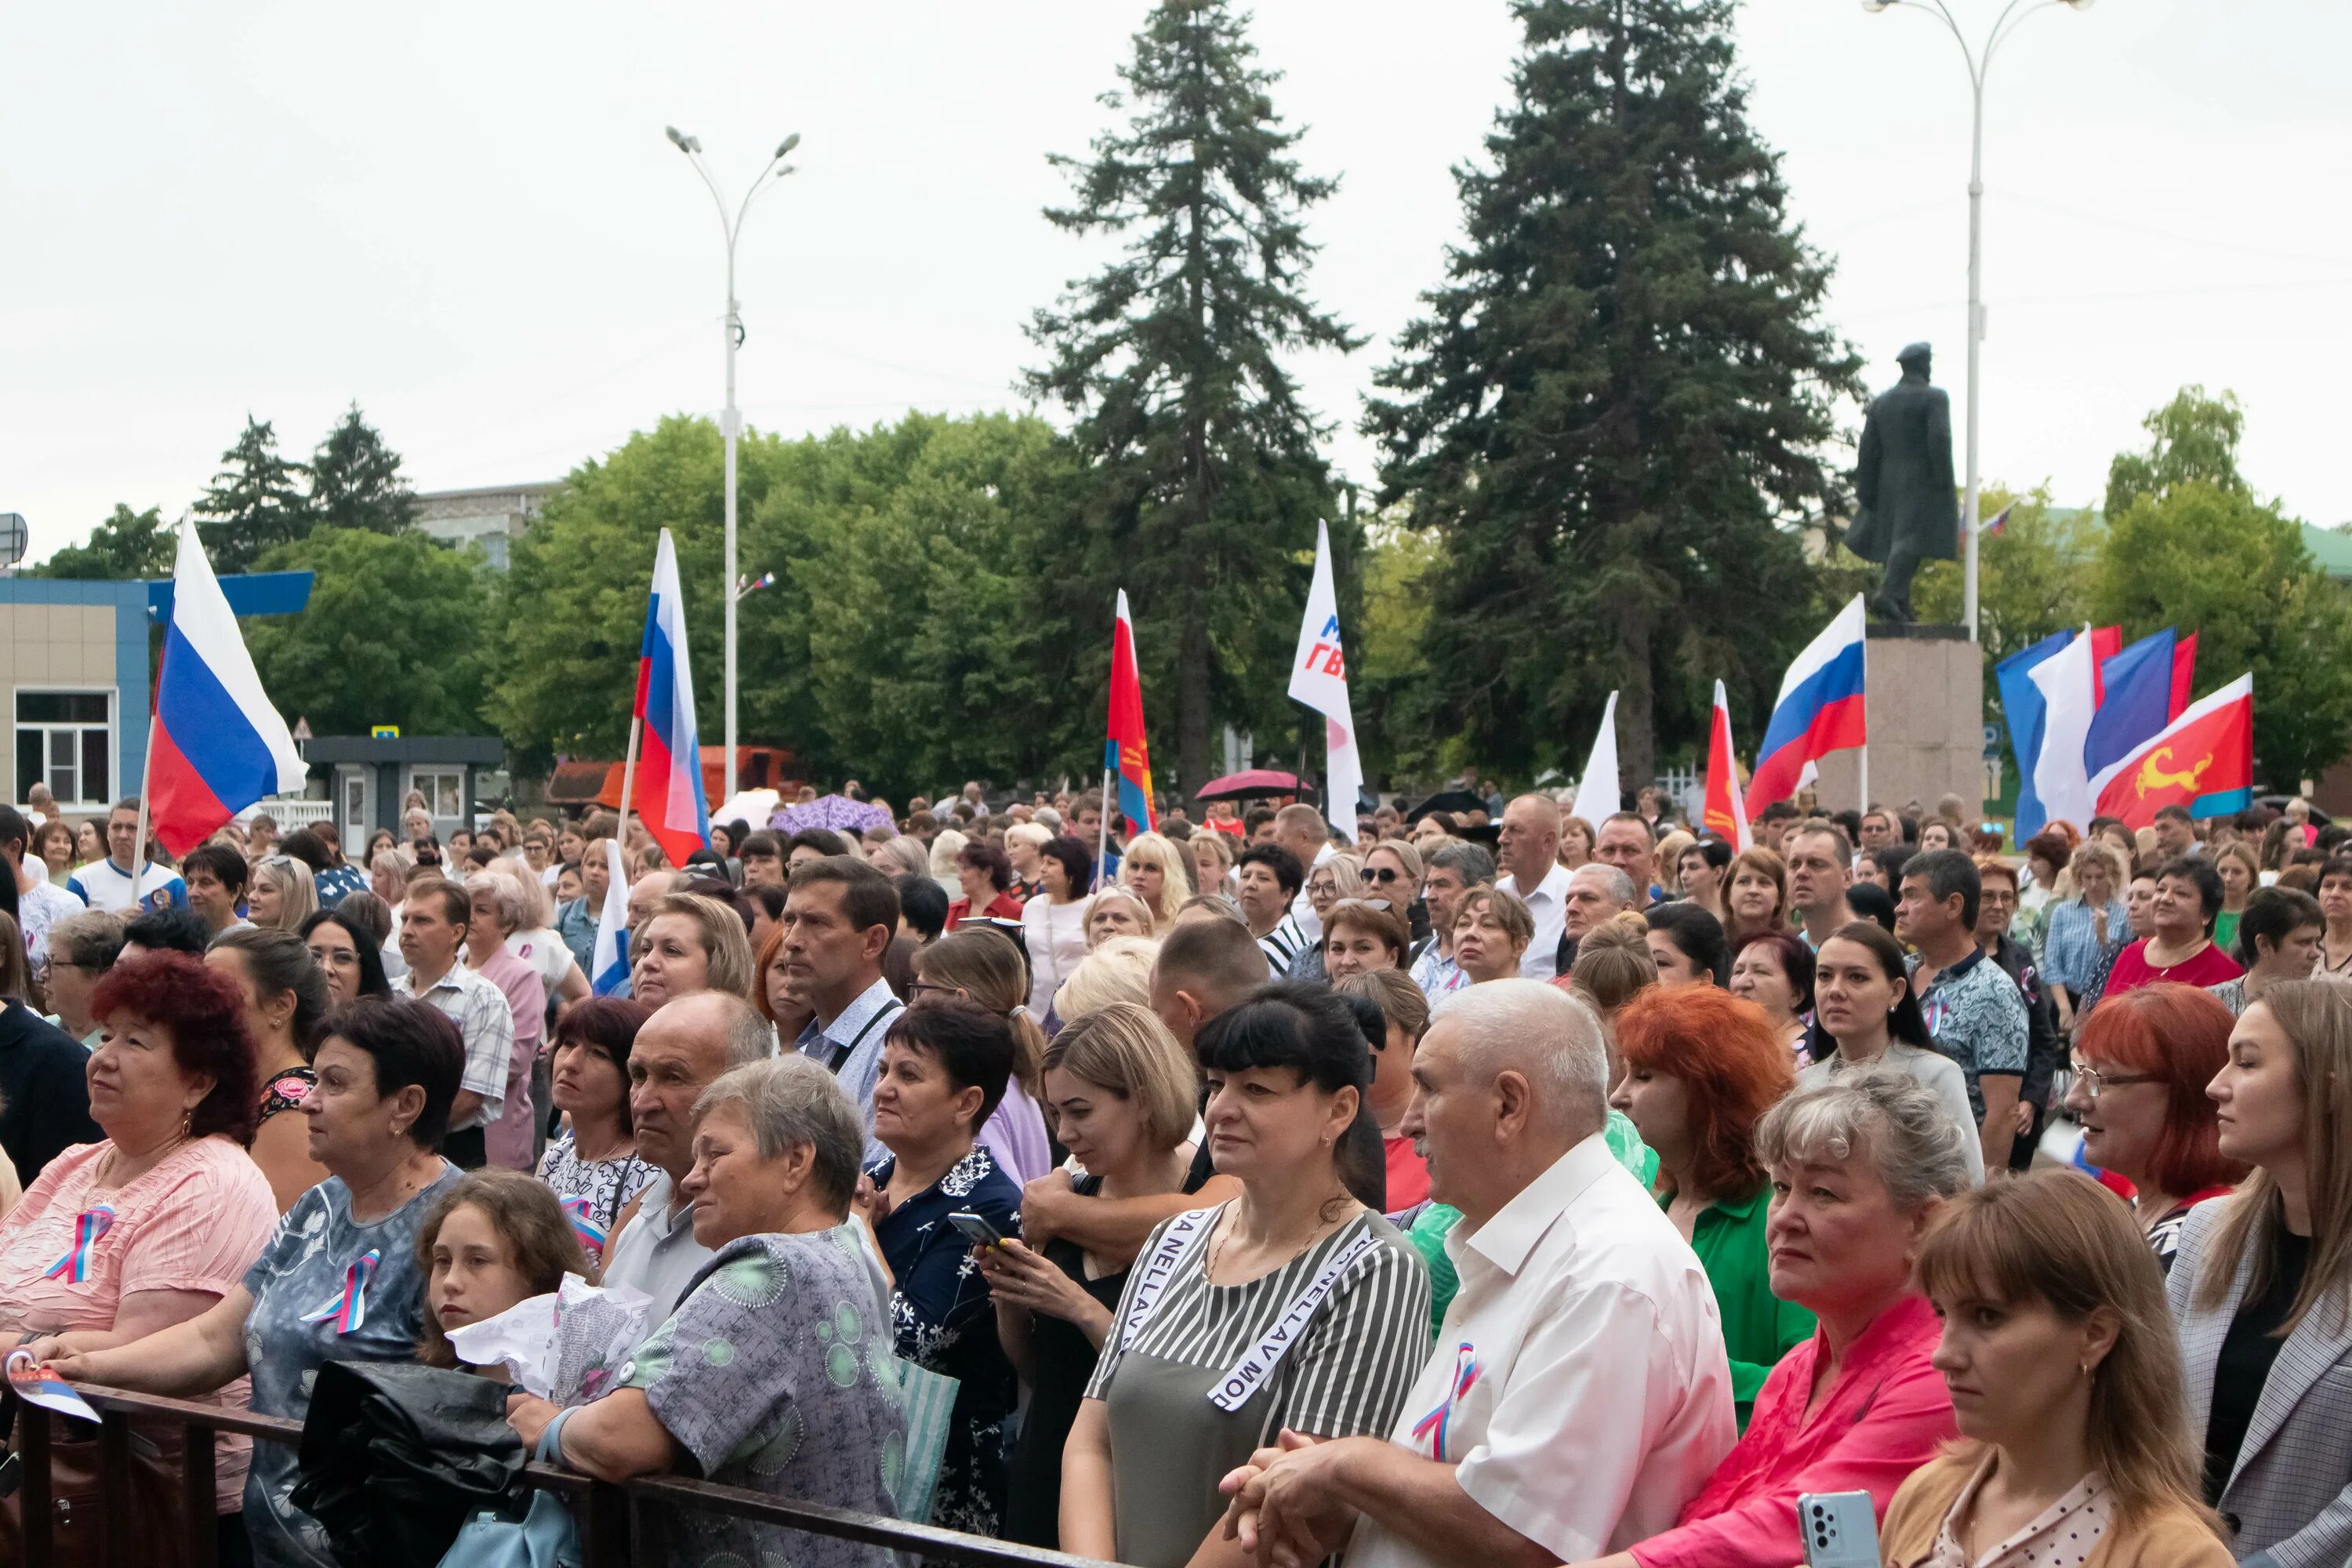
point(1549, 904)
point(1580, 1385)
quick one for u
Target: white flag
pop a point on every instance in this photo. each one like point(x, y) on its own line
point(1318, 678)
point(1597, 799)
point(2069, 698)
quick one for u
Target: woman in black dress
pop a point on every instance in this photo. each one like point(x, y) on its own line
point(1120, 1093)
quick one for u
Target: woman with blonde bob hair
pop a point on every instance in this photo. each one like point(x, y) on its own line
point(282, 894)
point(1755, 894)
point(2066, 1385)
point(1159, 874)
point(692, 943)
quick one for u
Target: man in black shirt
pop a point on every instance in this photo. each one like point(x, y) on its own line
point(43, 1094)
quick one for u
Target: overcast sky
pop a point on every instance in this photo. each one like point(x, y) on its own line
point(467, 216)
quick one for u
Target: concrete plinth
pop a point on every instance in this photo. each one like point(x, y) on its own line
point(1926, 707)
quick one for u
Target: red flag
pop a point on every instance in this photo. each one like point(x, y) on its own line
point(1125, 756)
point(2105, 643)
point(1722, 815)
point(2184, 674)
point(2203, 760)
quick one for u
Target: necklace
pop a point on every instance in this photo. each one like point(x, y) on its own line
point(1225, 1233)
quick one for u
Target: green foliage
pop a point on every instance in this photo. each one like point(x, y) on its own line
point(127, 544)
point(355, 480)
point(1388, 671)
point(2196, 438)
point(395, 634)
point(916, 630)
point(255, 504)
point(1612, 413)
point(1204, 478)
point(2191, 546)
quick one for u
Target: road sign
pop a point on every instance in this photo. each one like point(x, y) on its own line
point(1993, 741)
point(385, 731)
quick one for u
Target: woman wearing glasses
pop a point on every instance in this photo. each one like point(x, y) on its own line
point(2142, 1061)
point(1392, 873)
point(1339, 878)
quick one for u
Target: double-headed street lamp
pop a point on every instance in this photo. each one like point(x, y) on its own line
point(729, 421)
point(1979, 60)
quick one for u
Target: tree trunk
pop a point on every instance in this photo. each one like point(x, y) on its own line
point(1636, 736)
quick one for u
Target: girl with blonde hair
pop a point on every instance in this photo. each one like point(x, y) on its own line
point(1118, 971)
point(282, 894)
point(1161, 874)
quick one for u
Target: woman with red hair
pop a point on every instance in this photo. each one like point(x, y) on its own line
point(2142, 1061)
point(1702, 1068)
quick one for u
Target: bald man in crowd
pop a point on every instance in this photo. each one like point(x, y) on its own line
point(1585, 1327)
point(1302, 830)
point(1529, 855)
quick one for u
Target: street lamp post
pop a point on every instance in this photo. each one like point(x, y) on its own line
point(1979, 60)
point(731, 423)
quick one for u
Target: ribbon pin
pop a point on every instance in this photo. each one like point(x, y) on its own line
point(348, 1311)
point(88, 1225)
point(592, 1235)
point(1433, 1425)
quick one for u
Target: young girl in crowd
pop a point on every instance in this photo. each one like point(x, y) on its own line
point(494, 1240)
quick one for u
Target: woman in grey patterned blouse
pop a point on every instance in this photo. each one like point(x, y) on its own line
point(776, 1371)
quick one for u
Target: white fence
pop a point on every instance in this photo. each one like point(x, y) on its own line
point(290, 813)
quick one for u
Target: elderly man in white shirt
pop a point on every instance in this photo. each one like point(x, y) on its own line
point(1528, 848)
point(1578, 1396)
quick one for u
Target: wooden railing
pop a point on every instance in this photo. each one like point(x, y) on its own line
point(620, 1526)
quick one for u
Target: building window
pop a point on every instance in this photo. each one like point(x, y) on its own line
point(444, 790)
point(66, 741)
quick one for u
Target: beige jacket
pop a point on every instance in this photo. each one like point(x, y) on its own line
point(2174, 1537)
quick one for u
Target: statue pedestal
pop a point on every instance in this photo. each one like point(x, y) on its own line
point(1926, 709)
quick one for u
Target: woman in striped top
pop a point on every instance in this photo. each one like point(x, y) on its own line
point(1291, 1307)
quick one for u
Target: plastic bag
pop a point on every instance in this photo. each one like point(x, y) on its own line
point(561, 1346)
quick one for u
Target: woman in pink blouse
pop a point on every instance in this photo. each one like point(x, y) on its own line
point(1858, 1166)
point(150, 1227)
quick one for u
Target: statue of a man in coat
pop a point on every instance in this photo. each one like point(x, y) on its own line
point(1908, 511)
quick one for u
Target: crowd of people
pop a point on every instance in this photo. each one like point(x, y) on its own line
point(1485, 1185)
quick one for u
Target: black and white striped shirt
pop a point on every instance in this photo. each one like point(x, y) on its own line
point(1281, 945)
point(1348, 1373)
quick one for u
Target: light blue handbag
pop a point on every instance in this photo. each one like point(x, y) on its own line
point(544, 1537)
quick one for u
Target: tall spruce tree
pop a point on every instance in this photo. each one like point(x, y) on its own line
point(1612, 413)
point(355, 480)
point(1205, 478)
point(253, 503)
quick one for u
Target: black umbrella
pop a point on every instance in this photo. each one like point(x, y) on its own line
point(1457, 800)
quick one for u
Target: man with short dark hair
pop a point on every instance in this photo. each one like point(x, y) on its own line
point(1773, 825)
point(1820, 869)
point(1257, 825)
point(108, 884)
point(923, 908)
point(1266, 880)
point(215, 874)
point(840, 915)
point(811, 844)
point(1203, 969)
point(432, 924)
point(2044, 1047)
point(2176, 833)
point(40, 903)
point(1878, 828)
point(1973, 1010)
point(1086, 827)
point(1453, 867)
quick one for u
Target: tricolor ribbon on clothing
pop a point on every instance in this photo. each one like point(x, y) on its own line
point(579, 1212)
point(88, 1225)
point(1433, 1425)
point(348, 1311)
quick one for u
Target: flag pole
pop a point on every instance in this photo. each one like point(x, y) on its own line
point(629, 777)
point(146, 771)
point(1102, 841)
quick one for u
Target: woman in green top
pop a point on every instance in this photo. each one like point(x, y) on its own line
point(2241, 877)
point(1701, 1069)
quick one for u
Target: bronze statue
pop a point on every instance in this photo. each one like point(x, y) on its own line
point(1908, 510)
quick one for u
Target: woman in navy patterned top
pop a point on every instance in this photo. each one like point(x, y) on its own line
point(944, 1069)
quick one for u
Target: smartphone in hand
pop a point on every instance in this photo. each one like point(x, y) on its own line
point(975, 1230)
point(1841, 1530)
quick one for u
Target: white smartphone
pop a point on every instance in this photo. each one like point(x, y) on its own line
point(975, 1230)
point(1841, 1530)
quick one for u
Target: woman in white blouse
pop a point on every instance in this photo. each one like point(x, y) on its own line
point(1054, 923)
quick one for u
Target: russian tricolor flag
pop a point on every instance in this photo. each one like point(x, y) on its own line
point(1820, 710)
point(216, 744)
point(669, 774)
point(608, 960)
